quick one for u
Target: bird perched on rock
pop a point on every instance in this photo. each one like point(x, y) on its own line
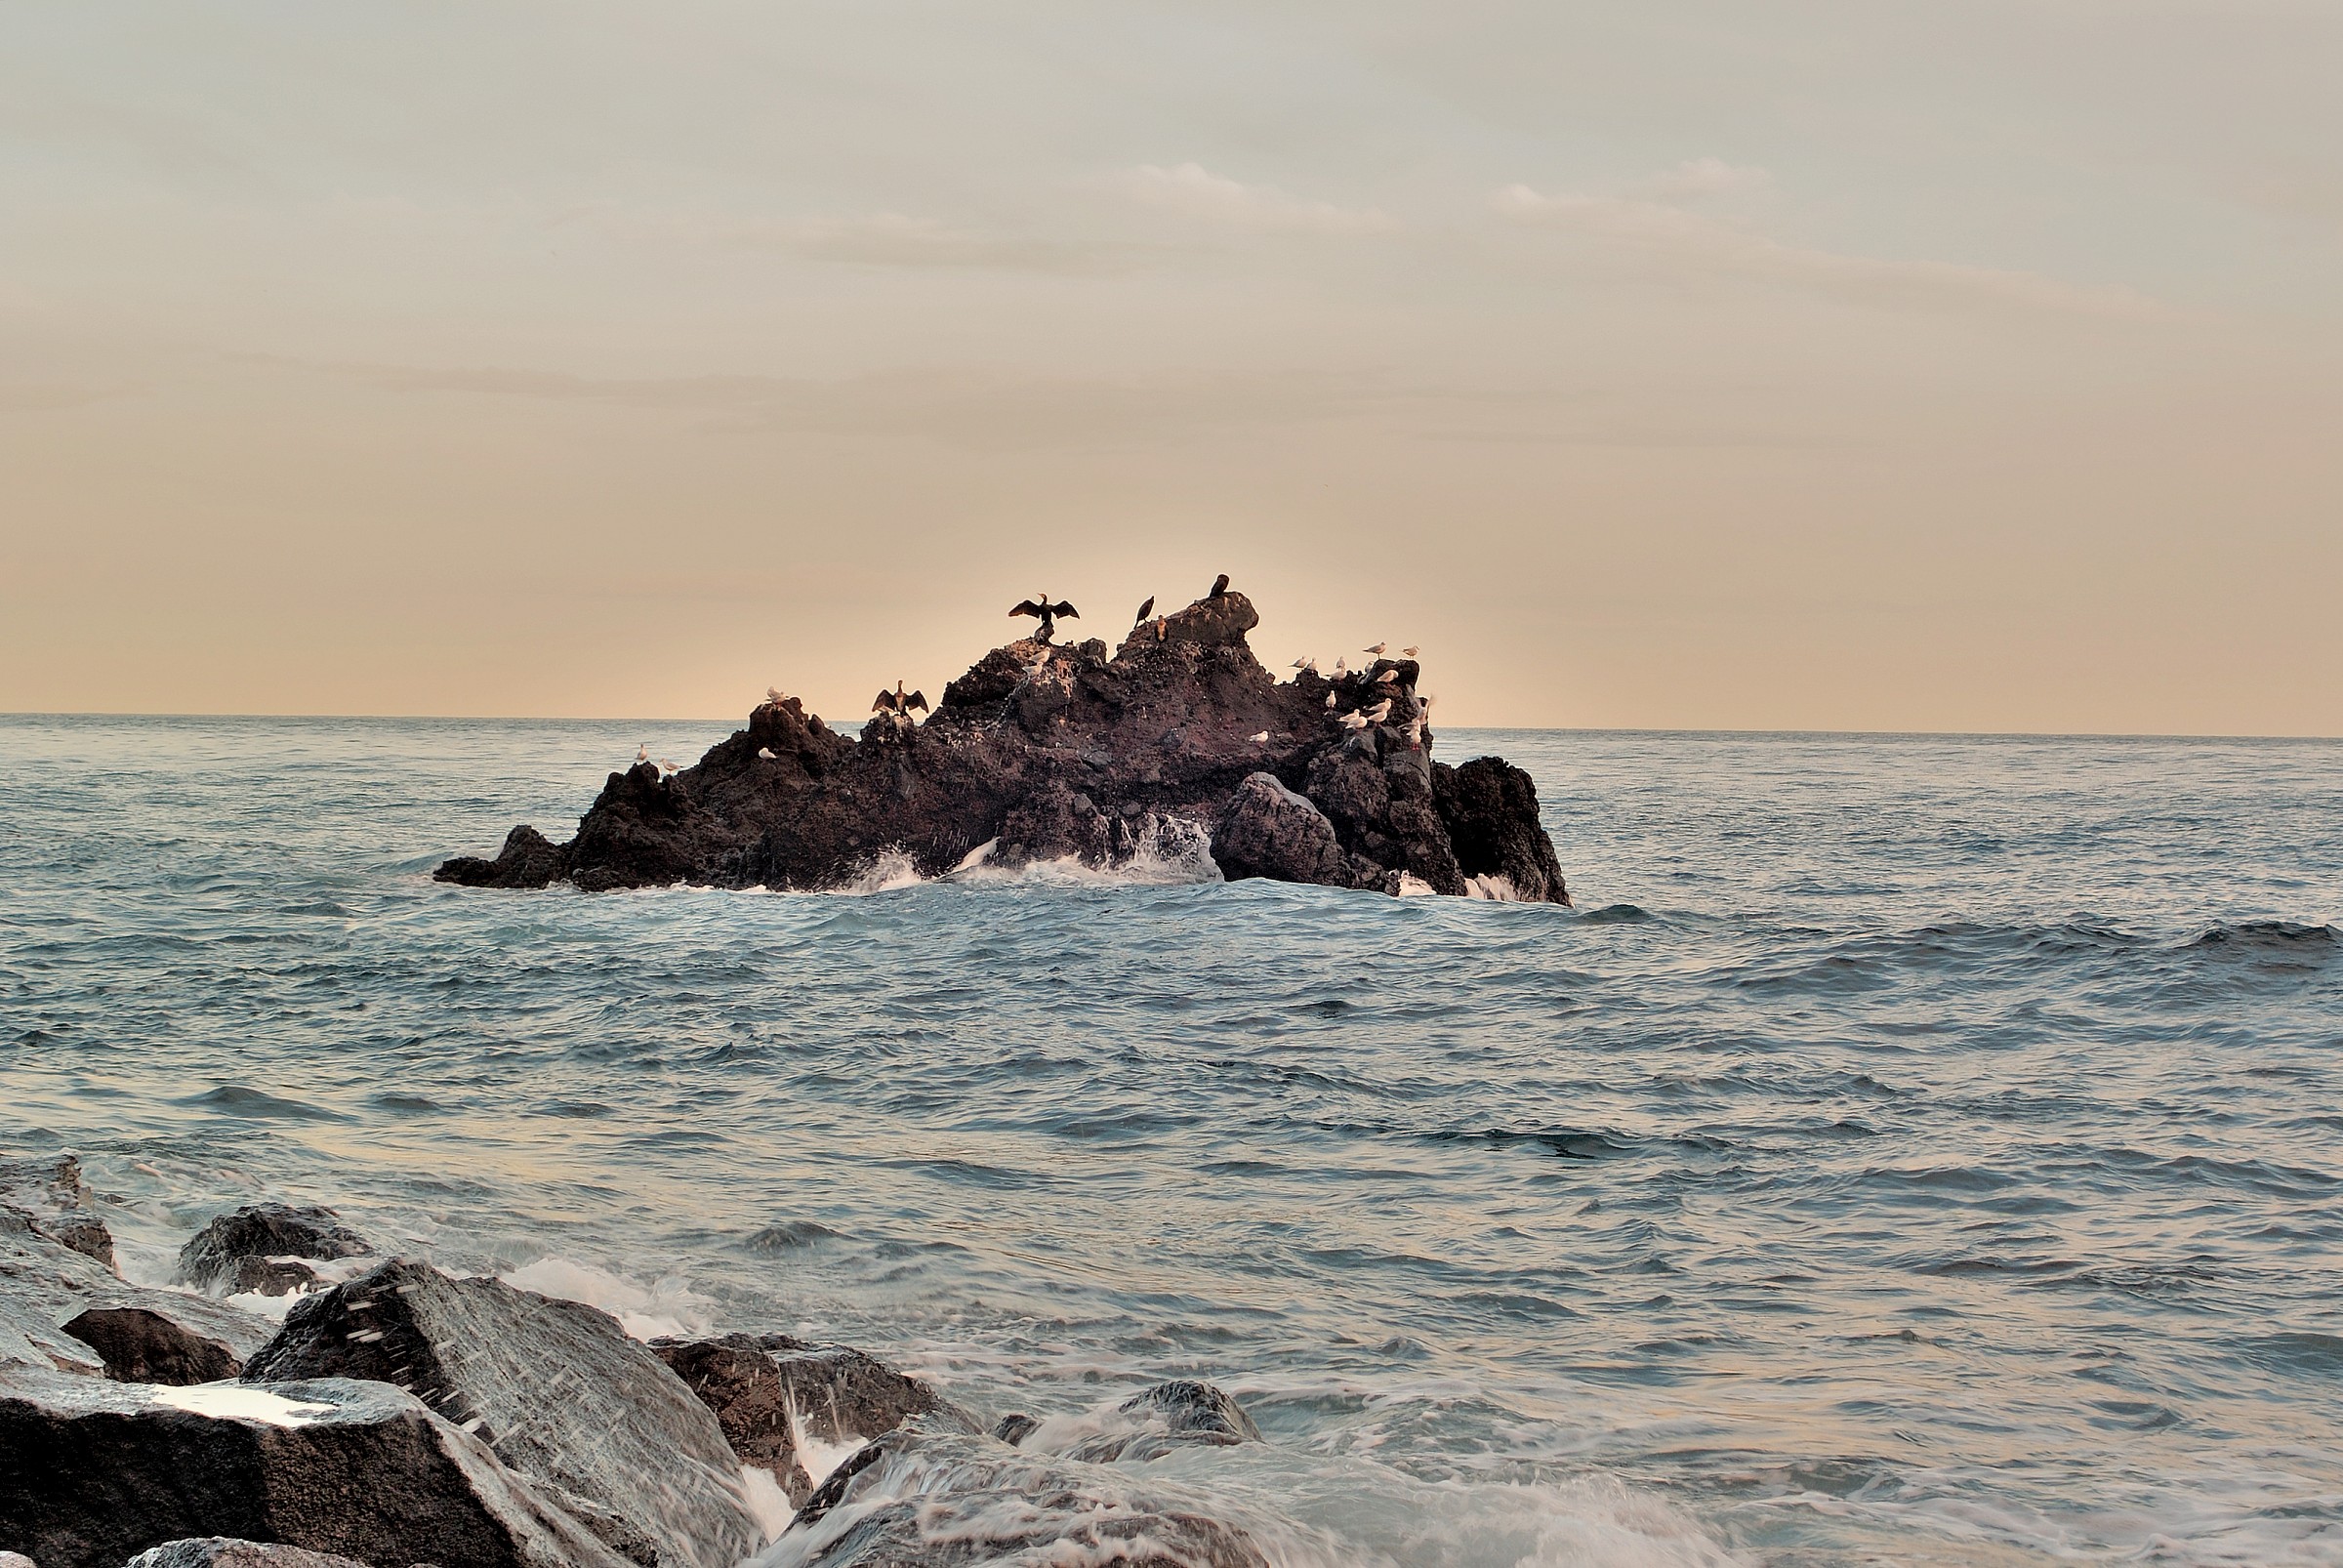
point(1146, 609)
point(1386, 678)
point(1341, 669)
point(1329, 699)
point(1353, 721)
point(1219, 585)
point(899, 703)
point(1376, 650)
point(764, 753)
point(666, 767)
point(1379, 712)
point(1305, 662)
point(773, 694)
point(1410, 654)
point(1262, 736)
point(642, 754)
point(1041, 609)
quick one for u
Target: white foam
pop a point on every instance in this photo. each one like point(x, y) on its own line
point(818, 1458)
point(767, 1504)
point(262, 1305)
point(236, 1401)
point(1411, 886)
point(646, 1313)
point(1496, 887)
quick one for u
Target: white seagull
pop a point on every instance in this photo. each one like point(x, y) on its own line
point(1411, 652)
point(1305, 662)
point(1376, 650)
point(1388, 676)
point(642, 754)
point(1262, 736)
point(1354, 721)
point(1341, 669)
point(1379, 712)
point(764, 753)
point(1329, 699)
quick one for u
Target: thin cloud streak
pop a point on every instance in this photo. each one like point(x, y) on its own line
point(1194, 191)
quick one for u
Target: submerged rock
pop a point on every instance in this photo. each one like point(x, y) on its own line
point(919, 1498)
point(795, 1409)
point(1043, 751)
point(91, 1472)
point(62, 1309)
point(268, 1248)
point(1184, 1413)
point(217, 1552)
point(48, 1193)
point(554, 1389)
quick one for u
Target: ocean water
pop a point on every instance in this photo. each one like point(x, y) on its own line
point(1911, 1151)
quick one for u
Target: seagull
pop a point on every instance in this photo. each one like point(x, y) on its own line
point(1145, 610)
point(642, 754)
point(1329, 699)
point(1379, 712)
point(1354, 721)
point(1305, 662)
point(1041, 609)
point(1376, 650)
point(1262, 736)
point(1341, 669)
point(773, 694)
point(1411, 652)
point(1388, 676)
point(898, 703)
point(666, 767)
point(764, 753)
point(1416, 732)
point(1219, 585)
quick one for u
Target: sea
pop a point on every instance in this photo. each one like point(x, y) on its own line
point(1909, 1150)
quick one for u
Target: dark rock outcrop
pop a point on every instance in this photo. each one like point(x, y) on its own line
point(1171, 1414)
point(48, 1193)
point(217, 1552)
point(774, 1396)
point(93, 1471)
point(46, 1288)
point(554, 1389)
point(139, 1345)
point(919, 1498)
point(267, 1248)
point(1043, 751)
point(1491, 808)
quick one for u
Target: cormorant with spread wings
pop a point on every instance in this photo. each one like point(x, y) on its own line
point(1047, 613)
point(899, 703)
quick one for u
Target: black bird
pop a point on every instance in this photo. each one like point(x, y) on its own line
point(1145, 610)
point(1219, 585)
point(1047, 613)
point(899, 702)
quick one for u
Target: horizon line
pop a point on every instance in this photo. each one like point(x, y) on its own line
point(1527, 730)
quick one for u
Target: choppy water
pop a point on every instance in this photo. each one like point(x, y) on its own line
point(1911, 1151)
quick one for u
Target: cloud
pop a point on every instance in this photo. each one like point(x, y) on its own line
point(1706, 177)
point(1694, 242)
point(1195, 191)
point(894, 240)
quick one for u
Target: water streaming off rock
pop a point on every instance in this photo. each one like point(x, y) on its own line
point(1911, 1150)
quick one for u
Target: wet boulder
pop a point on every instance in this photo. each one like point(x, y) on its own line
point(50, 1194)
point(919, 1498)
point(268, 1248)
point(217, 1552)
point(61, 1309)
point(794, 1409)
point(1491, 810)
point(1184, 1413)
point(554, 1389)
point(1267, 830)
point(91, 1472)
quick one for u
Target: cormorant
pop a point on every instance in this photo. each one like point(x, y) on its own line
point(1219, 585)
point(1145, 610)
point(1047, 613)
point(898, 702)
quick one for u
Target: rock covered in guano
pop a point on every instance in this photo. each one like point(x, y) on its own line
point(1041, 752)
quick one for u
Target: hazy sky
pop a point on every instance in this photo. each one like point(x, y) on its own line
point(1968, 364)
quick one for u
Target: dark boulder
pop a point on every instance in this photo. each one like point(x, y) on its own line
point(1184, 1413)
point(48, 1191)
point(46, 1287)
point(554, 1389)
point(268, 1248)
point(139, 1345)
point(1041, 752)
point(1491, 808)
point(1015, 1428)
point(91, 1472)
point(793, 1409)
point(217, 1552)
point(919, 1498)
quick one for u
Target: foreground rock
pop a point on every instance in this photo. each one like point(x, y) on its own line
point(48, 1193)
point(1043, 751)
point(268, 1248)
point(919, 1498)
point(1173, 1415)
point(217, 1552)
point(62, 1309)
point(91, 1472)
point(794, 1409)
point(554, 1389)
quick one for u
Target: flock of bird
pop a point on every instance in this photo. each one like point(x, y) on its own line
point(899, 705)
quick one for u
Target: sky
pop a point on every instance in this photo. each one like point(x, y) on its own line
point(1805, 364)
